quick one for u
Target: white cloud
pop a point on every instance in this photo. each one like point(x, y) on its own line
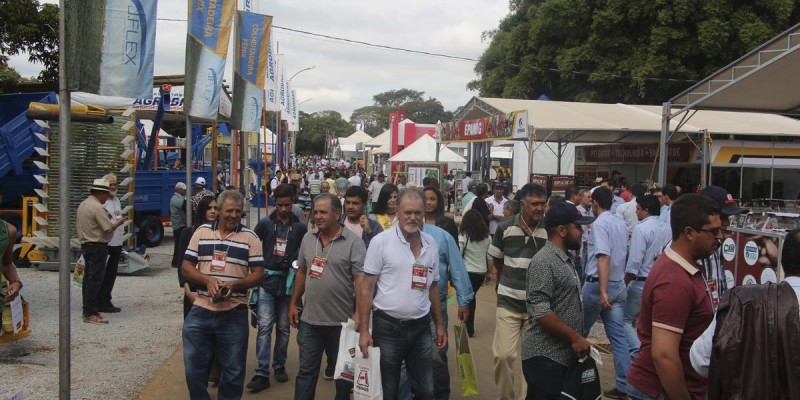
point(348, 75)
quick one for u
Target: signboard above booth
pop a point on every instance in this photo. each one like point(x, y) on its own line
point(504, 126)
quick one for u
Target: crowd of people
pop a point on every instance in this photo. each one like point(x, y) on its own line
point(339, 245)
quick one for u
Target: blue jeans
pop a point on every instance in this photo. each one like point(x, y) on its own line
point(632, 307)
point(224, 333)
point(441, 374)
point(545, 378)
point(94, 259)
point(613, 322)
point(408, 341)
point(272, 310)
point(636, 394)
point(313, 340)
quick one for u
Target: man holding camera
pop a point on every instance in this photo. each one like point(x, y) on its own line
point(281, 234)
point(225, 258)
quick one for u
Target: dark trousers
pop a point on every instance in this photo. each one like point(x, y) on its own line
point(476, 280)
point(450, 199)
point(408, 341)
point(545, 378)
point(314, 339)
point(94, 258)
point(177, 258)
point(110, 276)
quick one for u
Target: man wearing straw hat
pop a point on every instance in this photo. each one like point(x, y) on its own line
point(95, 228)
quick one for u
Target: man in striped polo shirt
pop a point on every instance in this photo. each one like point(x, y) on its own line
point(226, 258)
point(515, 242)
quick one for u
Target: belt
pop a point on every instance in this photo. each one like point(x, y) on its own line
point(592, 279)
point(640, 278)
point(402, 322)
point(94, 244)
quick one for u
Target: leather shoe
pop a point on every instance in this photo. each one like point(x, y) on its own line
point(281, 375)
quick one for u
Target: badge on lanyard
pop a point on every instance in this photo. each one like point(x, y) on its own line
point(712, 288)
point(317, 267)
point(218, 260)
point(419, 277)
point(280, 247)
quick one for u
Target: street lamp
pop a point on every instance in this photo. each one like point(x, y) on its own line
point(310, 67)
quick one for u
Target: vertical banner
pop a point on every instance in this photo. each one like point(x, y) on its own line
point(110, 46)
point(283, 94)
point(271, 86)
point(206, 50)
point(294, 123)
point(250, 70)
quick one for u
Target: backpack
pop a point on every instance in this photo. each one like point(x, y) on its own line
point(756, 346)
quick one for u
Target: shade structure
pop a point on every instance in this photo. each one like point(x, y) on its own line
point(424, 150)
point(355, 138)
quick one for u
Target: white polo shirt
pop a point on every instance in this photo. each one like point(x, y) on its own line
point(389, 257)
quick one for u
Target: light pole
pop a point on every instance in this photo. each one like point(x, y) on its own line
point(291, 138)
point(294, 137)
point(310, 67)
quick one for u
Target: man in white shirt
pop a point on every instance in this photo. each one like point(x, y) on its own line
point(401, 291)
point(465, 182)
point(354, 179)
point(496, 204)
point(375, 187)
point(114, 209)
point(627, 211)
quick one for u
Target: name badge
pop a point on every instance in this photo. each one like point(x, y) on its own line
point(712, 287)
point(318, 265)
point(419, 277)
point(218, 260)
point(280, 247)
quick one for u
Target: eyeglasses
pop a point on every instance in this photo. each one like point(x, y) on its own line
point(716, 231)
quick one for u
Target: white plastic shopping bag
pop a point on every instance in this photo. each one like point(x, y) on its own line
point(367, 385)
point(348, 347)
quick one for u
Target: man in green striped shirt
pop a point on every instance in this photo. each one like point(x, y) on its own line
point(515, 242)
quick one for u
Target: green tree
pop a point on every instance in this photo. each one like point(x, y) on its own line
point(26, 26)
point(314, 126)
point(634, 51)
point(375, 118)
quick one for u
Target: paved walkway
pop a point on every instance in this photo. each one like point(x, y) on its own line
point(169, 383)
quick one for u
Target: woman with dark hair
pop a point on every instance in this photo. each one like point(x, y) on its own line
point(383, 211)
point(206, 213)
point(474, 242)
point(434, 211)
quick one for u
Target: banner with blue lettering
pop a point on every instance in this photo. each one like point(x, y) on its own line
point(250, 69)
point(207, 40)
point(271, 86)
point(110, 46)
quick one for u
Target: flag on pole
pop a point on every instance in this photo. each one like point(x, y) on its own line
point(282, 84)
point(250, 69)
point(110, 46)
point(272, 80)
point(294, 124)
point(206, 50)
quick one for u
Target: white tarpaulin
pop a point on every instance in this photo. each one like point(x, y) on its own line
point(424, 150)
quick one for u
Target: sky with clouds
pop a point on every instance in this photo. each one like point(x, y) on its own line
point(346, 76)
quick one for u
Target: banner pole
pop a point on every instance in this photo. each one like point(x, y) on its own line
point(64, 333)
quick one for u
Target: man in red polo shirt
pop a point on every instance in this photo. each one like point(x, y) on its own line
point(676, 305)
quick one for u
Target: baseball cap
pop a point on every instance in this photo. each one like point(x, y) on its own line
point(180, 185)
point(724, 200)
point(200, 181)
point(472, 184)
point(564, 214)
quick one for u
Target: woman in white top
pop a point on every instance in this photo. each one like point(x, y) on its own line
point(474, 240)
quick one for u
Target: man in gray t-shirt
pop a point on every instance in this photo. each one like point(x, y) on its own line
point(331, 265)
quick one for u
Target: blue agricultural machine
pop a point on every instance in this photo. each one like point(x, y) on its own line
point(155, 181)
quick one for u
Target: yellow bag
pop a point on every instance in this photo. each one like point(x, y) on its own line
point(466, 366)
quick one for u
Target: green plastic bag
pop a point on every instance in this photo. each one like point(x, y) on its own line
point(466, 366)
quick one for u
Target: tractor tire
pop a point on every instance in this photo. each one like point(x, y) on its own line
point(151, 231)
